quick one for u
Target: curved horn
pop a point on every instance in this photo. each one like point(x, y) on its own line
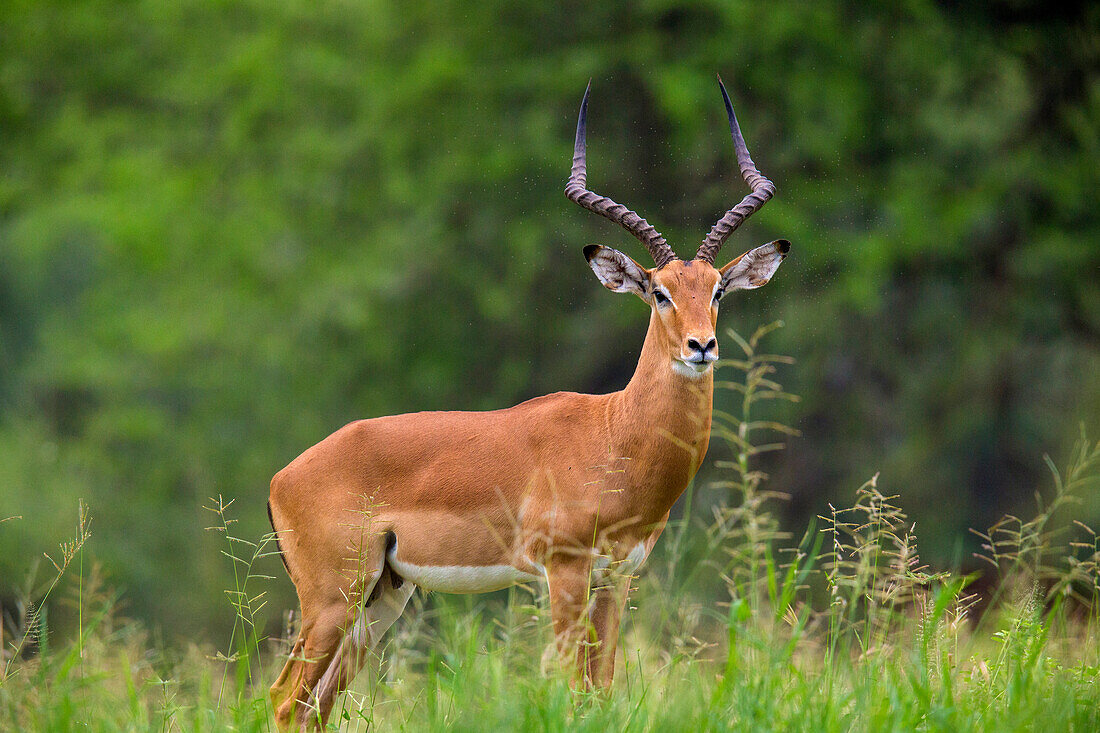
point(576, 190)
point(762, 190)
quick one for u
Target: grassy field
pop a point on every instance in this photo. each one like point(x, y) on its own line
point(733, 625)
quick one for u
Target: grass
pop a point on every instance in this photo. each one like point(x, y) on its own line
point(732, 625)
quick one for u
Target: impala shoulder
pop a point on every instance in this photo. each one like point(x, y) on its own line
point(562, 399)
point(571, 405)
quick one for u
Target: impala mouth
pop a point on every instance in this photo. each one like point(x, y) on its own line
point(699, 364)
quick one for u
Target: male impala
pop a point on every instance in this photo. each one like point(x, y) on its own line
point(566, 487)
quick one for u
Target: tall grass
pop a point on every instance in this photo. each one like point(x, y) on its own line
point(732, 624)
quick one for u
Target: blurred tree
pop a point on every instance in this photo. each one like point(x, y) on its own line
point(228, 228)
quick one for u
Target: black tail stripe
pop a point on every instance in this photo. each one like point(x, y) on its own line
point(278, 545)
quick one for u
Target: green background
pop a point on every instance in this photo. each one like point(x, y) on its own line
point(228, 228)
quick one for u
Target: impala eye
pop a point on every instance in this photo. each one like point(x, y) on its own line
point(718, 295)
point(660, 297)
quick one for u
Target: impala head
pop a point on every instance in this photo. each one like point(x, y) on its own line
point(684, 294)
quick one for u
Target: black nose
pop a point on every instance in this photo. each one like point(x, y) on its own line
point(693, 344)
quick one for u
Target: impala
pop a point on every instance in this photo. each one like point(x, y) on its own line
point(571, 488)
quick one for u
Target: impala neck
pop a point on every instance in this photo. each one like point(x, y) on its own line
point(666, 410)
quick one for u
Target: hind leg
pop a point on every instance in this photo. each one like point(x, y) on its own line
point(365, 636)
point(292, 693)
point(328, 611)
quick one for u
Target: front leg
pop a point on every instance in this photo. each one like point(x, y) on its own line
point(606, 610)
point(603, 638)
point(569, 578)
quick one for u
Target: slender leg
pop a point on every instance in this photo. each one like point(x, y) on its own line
point(328, 613)
point(569, 577)
point(364, 637)
point(317, 642)
point(288, 679)
point(609, 599)
point(604, 617)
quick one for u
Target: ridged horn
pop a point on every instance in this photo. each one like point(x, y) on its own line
point(762, 190)
point(577, 191)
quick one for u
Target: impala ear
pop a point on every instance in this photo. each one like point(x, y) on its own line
point(755, 267)
point(616, 271)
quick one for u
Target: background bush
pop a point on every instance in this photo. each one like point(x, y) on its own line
point(226, 229)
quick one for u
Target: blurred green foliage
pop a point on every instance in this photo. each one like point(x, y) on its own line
point(227, 228)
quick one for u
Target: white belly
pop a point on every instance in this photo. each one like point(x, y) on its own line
point(460, 578)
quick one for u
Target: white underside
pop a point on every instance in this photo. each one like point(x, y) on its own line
point(487, 578)
point(460, 578)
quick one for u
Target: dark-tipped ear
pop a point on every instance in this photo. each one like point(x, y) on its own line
point(755, 267)
point(616, 271)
